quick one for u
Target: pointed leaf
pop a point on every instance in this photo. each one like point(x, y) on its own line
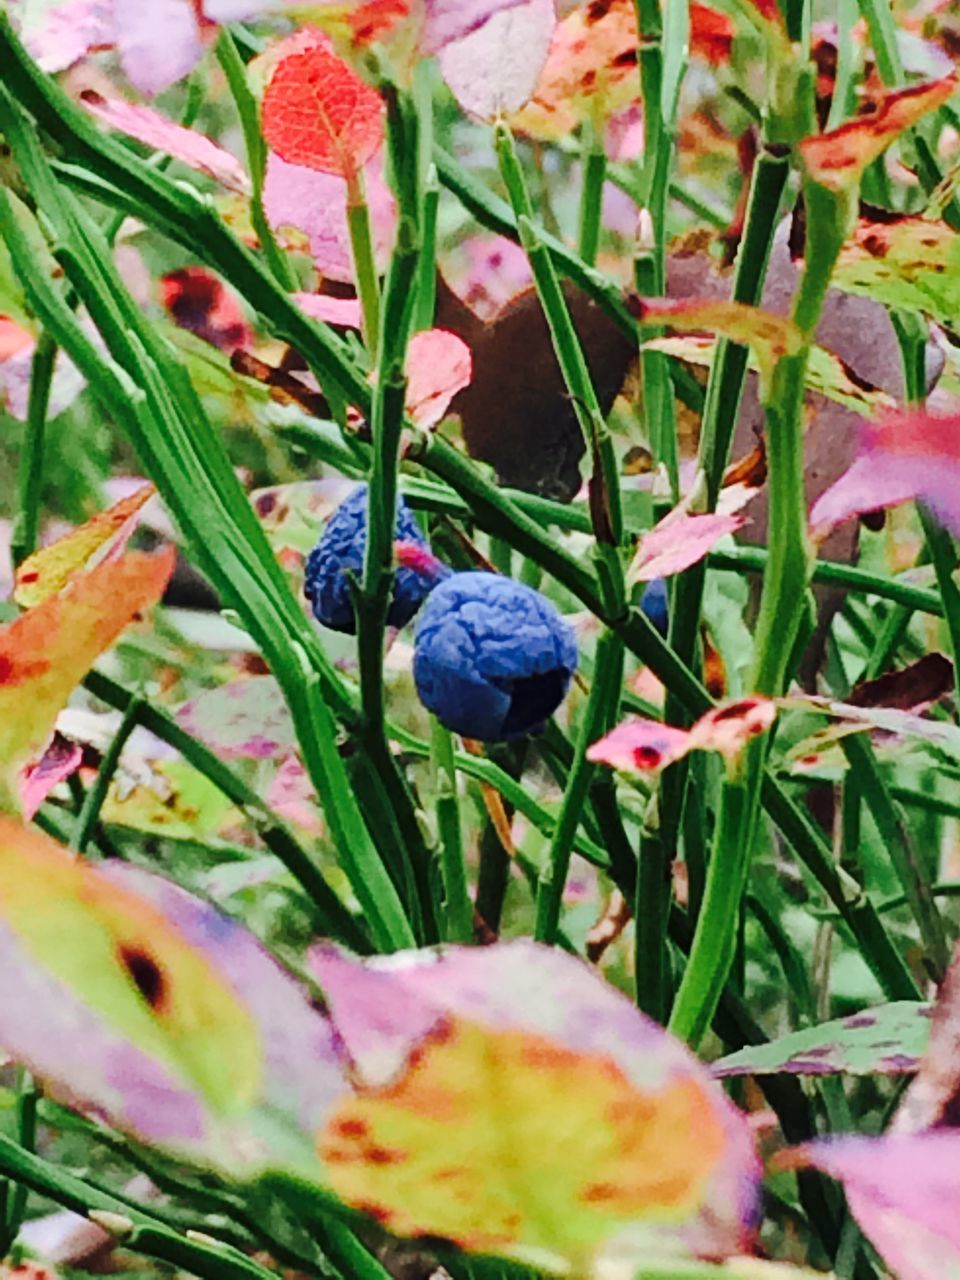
point(47, 571)
point(768, 336)
point(838, 158)
point(616, 1136)
point(887, 1040)
point(160, 134)
point(908, 262)
point(46, 652)
point(646, 746)
point(60, 761)
point(904, 1191)
point(679, 541)
point(901, 457)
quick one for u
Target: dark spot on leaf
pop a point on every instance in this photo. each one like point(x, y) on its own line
point(30, 576)
point(598, 1191)
point(266, 503)
point(385, 1155)
point(6, 669)
point(626, 59)
point(735, 710)
point(646, 757)
point(146, 974)
point(351, 1128)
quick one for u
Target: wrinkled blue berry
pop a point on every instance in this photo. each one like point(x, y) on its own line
point(653, 602)
point(340, 550)
point(492, 658)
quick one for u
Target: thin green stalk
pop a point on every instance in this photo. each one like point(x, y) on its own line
point(605, 506)
point(89, 814)
point(755, 559)
point(27, 1096)
point(883, 40)
point(145, 1234)
point(896, 840)
point(332, 916)
point(651, 914)
point(593, 161)
point(457, 907)
point(364, 263)
point(943, 555)
point(426, 287)
point(599, 715)
point(246, 104)
point(26, 525)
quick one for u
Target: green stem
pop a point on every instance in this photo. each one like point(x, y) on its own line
point(89, 814)
point(364, 262)
point(246, 104)
point(599, 716)
point(332, 916)
point(26, 526)
point(896, 840)
point(594, 162)
point(457, 907)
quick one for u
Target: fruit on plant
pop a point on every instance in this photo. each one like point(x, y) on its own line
point(339, 553)
point(493, 658)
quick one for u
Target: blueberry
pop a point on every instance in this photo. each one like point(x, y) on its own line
point(340, 551)
point(653, 602)
point(492, 658)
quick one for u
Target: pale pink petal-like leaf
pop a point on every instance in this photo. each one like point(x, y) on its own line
point(343, 312)
point(158, 41)
point(243, 720)
point(677, 542)
point(160, 134)
point(60, 35)
point(66, 385)
point(493, 271)
point(447, 20)
point(903, 456)
point(438, 366)
point(292, 797)
point(904, 1190)
point(494, 70)
point(316, 204)
point(645, 746)
point(61, 759)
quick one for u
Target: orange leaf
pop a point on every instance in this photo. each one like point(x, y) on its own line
point(317, 112)
point(46, 572)
point(47, 651)
point(591, 69)
point(838, 158)
point(711, 34)
point(770, 337)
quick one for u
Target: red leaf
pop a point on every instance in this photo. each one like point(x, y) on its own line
point(645, 746)
point(199, 302)
point(711, 34)
point(837, 159)
point(319, 113)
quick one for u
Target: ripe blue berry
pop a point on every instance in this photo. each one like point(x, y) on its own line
point(492, 658)
point(653, 602)
point(340, 551)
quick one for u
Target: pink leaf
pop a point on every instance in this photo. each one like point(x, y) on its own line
point(494, 70)
point(438, 366)
point(61, 759)
point(291, 795)
point(15, 367)
point(343, 312)
point(494, 271)
point(902, 457)
point(646, 746)
point(158, 42)
point(243, 720)
point(448, 20)
point(316, 204)
point(62, 34)
point(160, 134)
point(679, 541)
point(904, 1190)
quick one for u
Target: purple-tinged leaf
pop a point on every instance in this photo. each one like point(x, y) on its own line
point(619, 1144)
point(904, 1191)
point(61, 34)
point(343, 312)
point(901, 457)
point(160, 134)
point(291, 796)
point(243, 720)
point(448, 20)
point(494, 70)
point(932, 1097)
point(887, 1040)
point(158, 42)
point(316, 204)
point(60, 760)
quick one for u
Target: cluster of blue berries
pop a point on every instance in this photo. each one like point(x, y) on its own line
point(493, 659)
